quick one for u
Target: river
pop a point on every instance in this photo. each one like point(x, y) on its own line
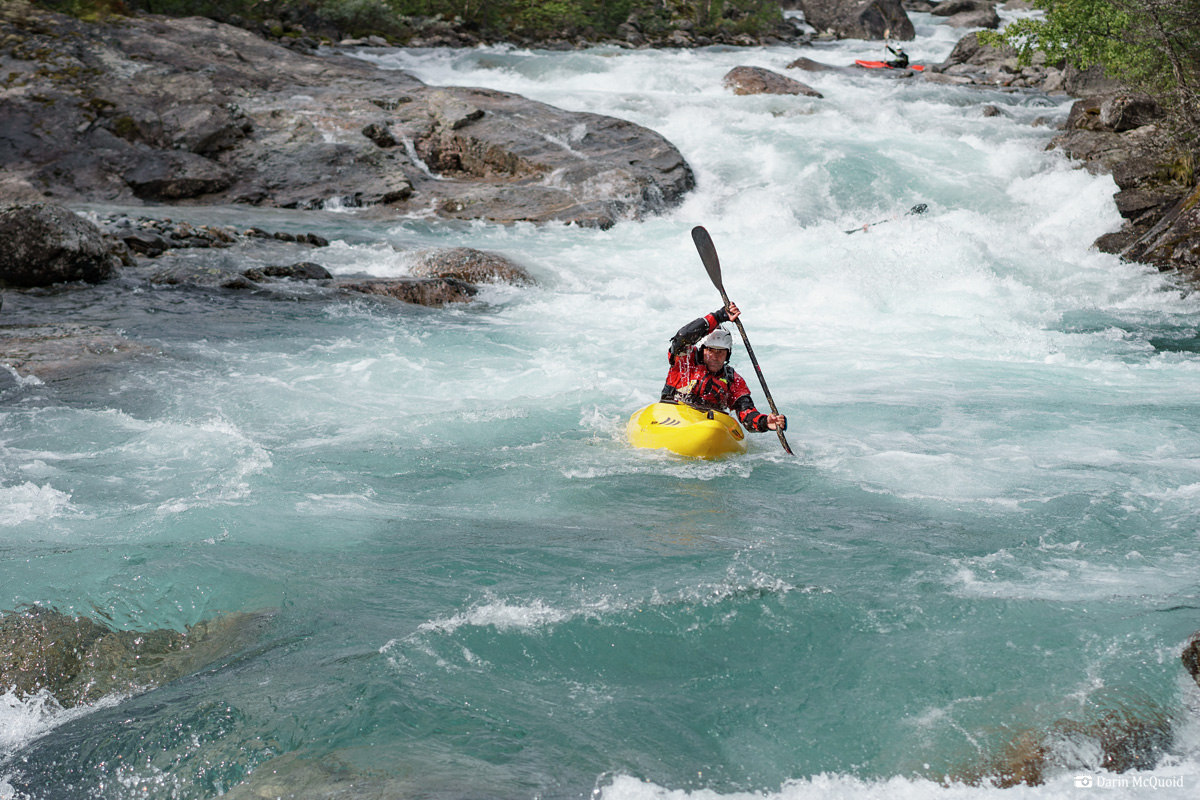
point(479, 590)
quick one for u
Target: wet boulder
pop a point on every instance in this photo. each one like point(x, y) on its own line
point(1191, 657)
point(1113, 733)
point(859, 19)
point(78, 660)
point(808, 65)
point(434, 292)
point(300, 271)
point(756, 80)
point(470, 265)
point(42, 244)
point(186, 274)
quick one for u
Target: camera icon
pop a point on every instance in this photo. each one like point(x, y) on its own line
point(1083, 781)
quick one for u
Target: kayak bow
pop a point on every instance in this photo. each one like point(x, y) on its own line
point(686, 431)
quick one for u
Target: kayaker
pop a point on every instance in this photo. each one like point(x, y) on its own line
point(701, 375)
point(901, 60)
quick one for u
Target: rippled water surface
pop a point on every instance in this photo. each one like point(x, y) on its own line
point(479, 589)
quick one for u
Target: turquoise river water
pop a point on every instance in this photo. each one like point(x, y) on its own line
point(479, 590)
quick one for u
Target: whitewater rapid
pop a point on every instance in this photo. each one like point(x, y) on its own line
point(479, 589)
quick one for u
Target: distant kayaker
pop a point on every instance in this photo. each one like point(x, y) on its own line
point(701, 376)
point(901, 60)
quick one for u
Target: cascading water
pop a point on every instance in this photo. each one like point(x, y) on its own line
point(988, 536)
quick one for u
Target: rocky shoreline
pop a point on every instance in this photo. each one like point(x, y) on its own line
point(249, 121)
point(253, 122)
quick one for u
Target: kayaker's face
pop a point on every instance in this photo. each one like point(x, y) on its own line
point(715, 358)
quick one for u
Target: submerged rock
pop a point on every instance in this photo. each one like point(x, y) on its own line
point(78, 660)
point(1116, 736)
point(1191, 657)
point(54, 351)
point(42, 244)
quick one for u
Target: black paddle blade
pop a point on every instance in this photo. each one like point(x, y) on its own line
point(708, 254)
point(919, 208)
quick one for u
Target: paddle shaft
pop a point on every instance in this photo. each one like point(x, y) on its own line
point(708, 254)
point(919, 208)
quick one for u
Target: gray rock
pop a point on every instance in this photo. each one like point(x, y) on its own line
point(300, 271)
point(470, 265)
point(1126, 112)
point(204, 129)
point(147, 243)
point(452, 112)
point(756, 80)
point(1113, 113)
point(1101, 151)
point(1191, 657)
point(55, 351)
point(969, 50)
point(859, 19)
point(177, 175)
point(206, 277)
point(42, 244)
point(433, 292)
point(1173, 242)
point(808, 65)
point(260, 124)
point(381, 134)
point(983, 18)
point(949, 8)
point(1133, 203)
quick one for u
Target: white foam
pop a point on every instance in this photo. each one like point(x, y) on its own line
point(502, 616)
point(26, 719)
point(1171, 782)
point(29, 502)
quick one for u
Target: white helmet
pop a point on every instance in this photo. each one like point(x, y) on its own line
point(719, 339)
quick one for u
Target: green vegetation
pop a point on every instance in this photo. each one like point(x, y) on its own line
point(489, 20)
point(1151, 45)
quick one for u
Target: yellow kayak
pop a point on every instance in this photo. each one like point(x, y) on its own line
point(685, 430)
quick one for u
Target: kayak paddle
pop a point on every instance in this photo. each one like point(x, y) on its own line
point(708, 254)
point(919, 208)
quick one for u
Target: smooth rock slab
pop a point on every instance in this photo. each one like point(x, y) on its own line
point(756, 80)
